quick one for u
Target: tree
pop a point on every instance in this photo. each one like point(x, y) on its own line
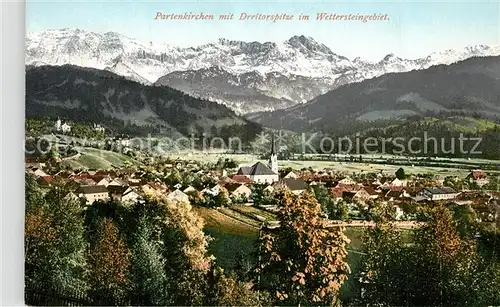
point(224, 163)
point(195, 197)
point(54, 241)
point(465, 219)
point(243, 266)
point(284, 171)
point(110, 263)
point(381, 211)
point(174, 178)
point(342, 210)
point(222, 198)
point(439, 268)
point(148, 268)
point(325, 200)
point(385, 267)
point(400, 173)
point(39, 238)
point(224, 290)
point(493, 184)
point(447, 262)
point(335, 210)
point(302, 261)
point(185, 252)
point(33, 193)
point(260, 197)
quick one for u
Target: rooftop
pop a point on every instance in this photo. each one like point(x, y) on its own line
point(294, 184)
point(260, 169)
point(92, 189)
point(440, 190)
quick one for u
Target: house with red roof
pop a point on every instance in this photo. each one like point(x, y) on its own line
point(478, 176)
point(240, 179)
point(45, 180)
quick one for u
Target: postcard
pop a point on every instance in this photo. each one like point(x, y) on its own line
point(250, 153)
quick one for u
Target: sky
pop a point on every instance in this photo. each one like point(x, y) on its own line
point(414, 29)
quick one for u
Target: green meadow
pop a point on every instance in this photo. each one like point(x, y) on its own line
point(233, 239)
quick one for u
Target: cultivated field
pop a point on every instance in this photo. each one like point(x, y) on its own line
point(234, 241)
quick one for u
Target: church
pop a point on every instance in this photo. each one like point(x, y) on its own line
point(261, 173)
point(59, 126)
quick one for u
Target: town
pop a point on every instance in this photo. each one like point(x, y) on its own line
point(112, 186)
point(200, 183)
point(237, 202)
point(221, 154)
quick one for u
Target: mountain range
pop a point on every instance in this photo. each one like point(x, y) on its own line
point(245, 76)
point(469, 87)
point(99, 96)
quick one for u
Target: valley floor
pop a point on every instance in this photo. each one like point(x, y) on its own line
point(454, 167)
point(234, 241)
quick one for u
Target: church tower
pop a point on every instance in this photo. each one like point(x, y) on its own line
point(58, 124)
point(273, 159)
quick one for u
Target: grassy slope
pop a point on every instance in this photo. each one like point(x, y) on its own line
point(92, 158)
point(255, 212)
point(230, 238)
point(240, 217)
point(233, 239)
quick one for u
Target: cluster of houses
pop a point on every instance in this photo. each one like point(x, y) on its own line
point(98, 128)
point(478, 177)
point(129, 186)
point(122, 140)
point(64, 127)
point(94, 185)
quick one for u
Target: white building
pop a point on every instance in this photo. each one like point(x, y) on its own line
point(65, 128)
point(399, 183)
point(295, 185)
point(123, 140)
point(62, 127)
point(435, 193)
point(99, 128)
point(347, 181)
point(238, 190)
point(93, 193)
point(399, 213)
point(292, 175)
point(58, 124)
point(259, 173)
point(214, 191)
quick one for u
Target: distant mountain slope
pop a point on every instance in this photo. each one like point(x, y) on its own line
point(93, 95)
point(248, 92)
point(446, 130)
point(468, 87)
point(254, 76)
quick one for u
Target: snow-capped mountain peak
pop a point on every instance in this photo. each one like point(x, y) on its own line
point(308, 44)
point(390, 57)
point(310, 66)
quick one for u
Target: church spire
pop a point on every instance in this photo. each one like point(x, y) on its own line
point(273, 152)
point(273, 158)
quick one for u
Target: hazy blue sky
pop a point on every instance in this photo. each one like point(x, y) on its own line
point(415, 28)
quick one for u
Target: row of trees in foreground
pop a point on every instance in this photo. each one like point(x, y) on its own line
point(450, 261)
point(155, 253)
